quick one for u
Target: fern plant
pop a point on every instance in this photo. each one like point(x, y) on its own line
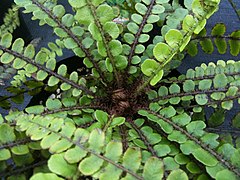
point(126, 118)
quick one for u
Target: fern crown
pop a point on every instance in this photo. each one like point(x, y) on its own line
point(126, 118)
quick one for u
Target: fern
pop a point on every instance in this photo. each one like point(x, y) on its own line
point(220, 40)
point(125, 119)
point(11, 22)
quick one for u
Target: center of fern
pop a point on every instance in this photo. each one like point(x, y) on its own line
point(122, 102)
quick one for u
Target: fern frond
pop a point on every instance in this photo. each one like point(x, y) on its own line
point(86, 152)
point(73, 36)
point(32, 63)
point(176, 41)
point(208, 85)
point(220, 40)
point(194, 140)
point(11, 21)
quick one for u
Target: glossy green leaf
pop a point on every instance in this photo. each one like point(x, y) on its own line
point(68, 20)
point(6, 40)
point(132, 27)
point(193, 168)
point(220, 81)
point(188, 23)
point(59, 11)
point(161, 51)
point(173, 37)
point(181, 159)
point(188, 86)
point(37, 109)
point(177, 174)
point(141, 8)
point(216, 118)
point(188, 147)
point(53, 81)
point(201, 99)
point(90, 165)
point(7, 58)
point(53, 104)
point(218, 30)
point(46, 176)
point(18, 45)
point(196, 128)
point(153, 169)
point(84, 15)
point(121, 62)
point(157, 78)
point(158, 9)
point(117, 121)
point(74, 155)
point(20, 150)
point(112, 29)
point(225, 173)
point(149, 66)
point(182, 119)
point(115, 47)
point(4, 154)
point(170, 164)
point(58, 165)
point(162, 149)
point(132, 159)
point(177, 136)
point(137, 18)
point(207, 46)
point(168, 112)
point(204, 157)
point(6, 134)
point(153, 19)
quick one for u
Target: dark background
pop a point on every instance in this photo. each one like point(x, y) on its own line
point(30, 30)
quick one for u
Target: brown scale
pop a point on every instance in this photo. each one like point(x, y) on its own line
point(120, 99)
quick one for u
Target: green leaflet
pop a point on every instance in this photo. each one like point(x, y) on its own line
point(153, 169)
point(161, 51)
point(204, 157)
point(58, 165)
point(149, 66)
point(101, 116)
point(7, 135)
point(173, 37)
point(6, 40)
point(39, 176)
point(177, 174)
point(90, 165)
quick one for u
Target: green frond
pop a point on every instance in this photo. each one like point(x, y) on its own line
point(176, 40)
point(194, 140)
point(40, 65)
point(10, 21)
point(76, 150)
point(208, 85)
point(218, 38)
